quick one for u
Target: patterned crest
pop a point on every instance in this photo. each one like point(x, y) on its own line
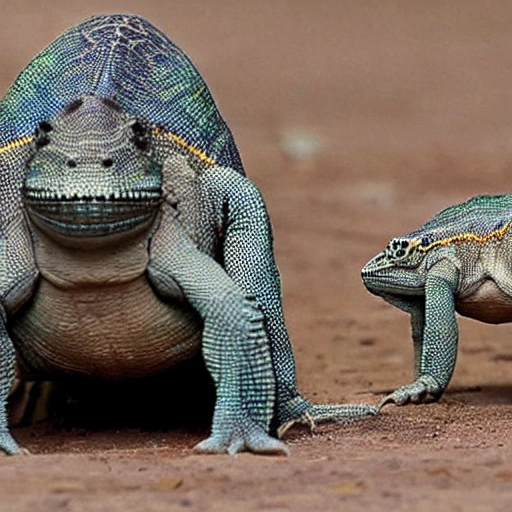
point(125, 58)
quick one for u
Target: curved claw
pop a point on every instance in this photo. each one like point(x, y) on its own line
point(391, 399)
point(301, 411)
point(305, 419)
point(423, 390)
point(256, 441)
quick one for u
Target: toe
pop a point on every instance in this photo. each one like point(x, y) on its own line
point(211, 445)
point(266, 445)
point(256, 441)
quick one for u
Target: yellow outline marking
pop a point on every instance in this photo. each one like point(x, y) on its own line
point(469, 237)
point(157, 131)
point(197, 152)
point(16, 143)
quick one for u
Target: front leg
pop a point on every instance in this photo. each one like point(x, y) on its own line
point(7, 372)
point(415, 306)
point(235, 345)
point(248, 258)
point(436, 352)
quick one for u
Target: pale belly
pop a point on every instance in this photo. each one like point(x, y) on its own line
point(116, 331)
point(487, 304)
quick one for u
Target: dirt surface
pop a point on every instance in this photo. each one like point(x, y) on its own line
point(358, 120)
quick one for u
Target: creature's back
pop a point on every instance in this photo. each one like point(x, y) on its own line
point(479, 216)
point(125, 58)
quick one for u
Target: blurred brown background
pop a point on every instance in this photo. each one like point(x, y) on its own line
point(358, 120)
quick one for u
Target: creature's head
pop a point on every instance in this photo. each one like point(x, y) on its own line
point(399, 269)
point(92, 172)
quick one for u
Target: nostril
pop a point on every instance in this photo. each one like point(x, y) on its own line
point(107, 162)
point(72, 163)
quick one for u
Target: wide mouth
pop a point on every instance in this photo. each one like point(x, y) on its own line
point(91, 216)
point(392, 283)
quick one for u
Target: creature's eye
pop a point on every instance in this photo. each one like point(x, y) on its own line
point(140, 136)
point(41, 134)
point(399, 248)
point(107, 162)
point(137, 128)
point(45, 126)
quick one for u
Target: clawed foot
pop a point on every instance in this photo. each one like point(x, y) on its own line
point(423, 390)
point(300, 411)
point(241, 435)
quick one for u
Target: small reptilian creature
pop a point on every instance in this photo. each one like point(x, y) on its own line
point(459, 261)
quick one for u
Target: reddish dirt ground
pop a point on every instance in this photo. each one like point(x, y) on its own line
point(401, 108)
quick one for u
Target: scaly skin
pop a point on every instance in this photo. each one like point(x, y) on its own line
point(459, 261)
point(131, 238)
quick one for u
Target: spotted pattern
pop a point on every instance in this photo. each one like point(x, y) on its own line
point(459, 260)
point(125, 58)
point(210, 249)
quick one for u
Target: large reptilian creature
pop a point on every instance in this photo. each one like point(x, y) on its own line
point(131, 239)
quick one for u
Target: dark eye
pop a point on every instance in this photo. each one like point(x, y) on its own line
point(41, 137)
point(45, 126)
point(140, 136)
point(72, 164)
point(107, 162)
point(137, 128)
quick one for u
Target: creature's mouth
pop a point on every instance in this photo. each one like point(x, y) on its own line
point(91, 216)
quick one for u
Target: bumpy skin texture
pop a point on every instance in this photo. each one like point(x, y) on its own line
point(131, 239)
point(459, 261)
